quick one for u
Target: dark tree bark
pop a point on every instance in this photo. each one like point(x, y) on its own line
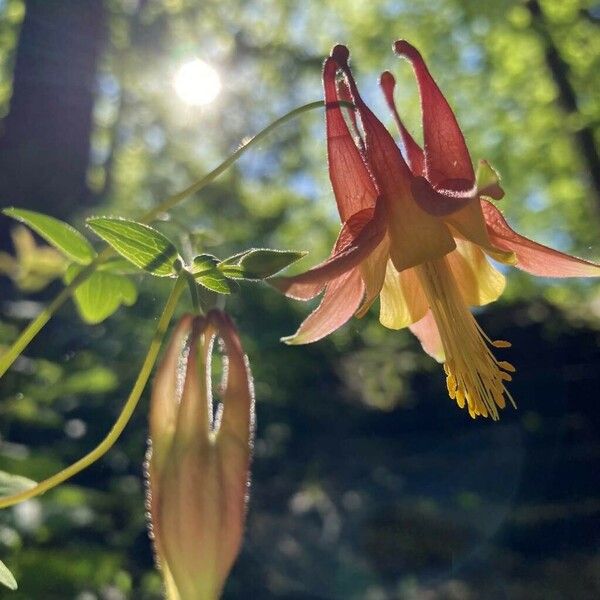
point(44, 140)
point(560, 71)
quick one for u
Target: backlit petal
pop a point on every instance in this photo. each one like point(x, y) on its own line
point(415, 236)
point(352, 185)
point(439, 202)
point(479, 282)
point(341, 299)
point(359, 236)
point(469, 224)
point(165, 402)
point(195, 412)
point(402, 299)
point(446, 153)
point(532, 257)
point(373, 273)
point(414, 154)
point(436, 202)
point(343, 92)
point(428, 334)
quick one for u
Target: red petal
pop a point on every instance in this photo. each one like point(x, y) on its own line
point(446, 153)
point(344, 95)
point(385, 158)
point(414, 152)
point(440, 202)
point(359, 236)
point(415, 235)
point(531, 256)
point(352, 185)
point(428, 334)
point(341, 299)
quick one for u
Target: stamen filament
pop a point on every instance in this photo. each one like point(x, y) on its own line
point(473, 375)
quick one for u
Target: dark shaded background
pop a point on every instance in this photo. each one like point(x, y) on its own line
point(367, 481)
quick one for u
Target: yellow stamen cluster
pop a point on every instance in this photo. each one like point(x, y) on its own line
point(473, 375)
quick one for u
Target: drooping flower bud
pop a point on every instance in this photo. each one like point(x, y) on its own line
point(199, 459)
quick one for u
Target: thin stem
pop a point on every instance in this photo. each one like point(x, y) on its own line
point(193, 286)
point(107, 443)
point(9, 357)
point(175, 199)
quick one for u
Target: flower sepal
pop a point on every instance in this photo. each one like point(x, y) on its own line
point(487, 181)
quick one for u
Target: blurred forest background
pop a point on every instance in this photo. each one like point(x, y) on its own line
point(368, 482)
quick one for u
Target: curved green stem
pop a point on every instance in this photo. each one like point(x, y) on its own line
point(193, 286)
point(9, 357)
point(175, 199)
point(104, 446)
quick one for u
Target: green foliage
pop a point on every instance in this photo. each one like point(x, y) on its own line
point(101, 294)
point(259, 263)
point(33, 267)
point(142, 245)
point(57, 233)
point(253, 264)
point(205, 272)
point(7, 578)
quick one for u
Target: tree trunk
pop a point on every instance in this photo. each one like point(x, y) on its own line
point(45, 139)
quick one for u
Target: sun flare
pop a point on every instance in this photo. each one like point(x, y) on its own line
point(197, 83)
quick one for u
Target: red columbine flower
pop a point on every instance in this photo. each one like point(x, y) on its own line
point(416, 231)
point(199, 464)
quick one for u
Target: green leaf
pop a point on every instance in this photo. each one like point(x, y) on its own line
point(57, 233)
point(140, 244)
point(204, 262)
point(7, 578)
point(258, 263)
point(13, 484)
point(232, 271)
point(215, 282)
point(235, 258)
point(101, 294)
point(205, 271)
point(119, 265)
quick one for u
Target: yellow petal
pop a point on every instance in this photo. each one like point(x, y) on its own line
point(402, 299)
point(373, 275)
point(478, 281)
point(415, 236)
point(469, 223)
